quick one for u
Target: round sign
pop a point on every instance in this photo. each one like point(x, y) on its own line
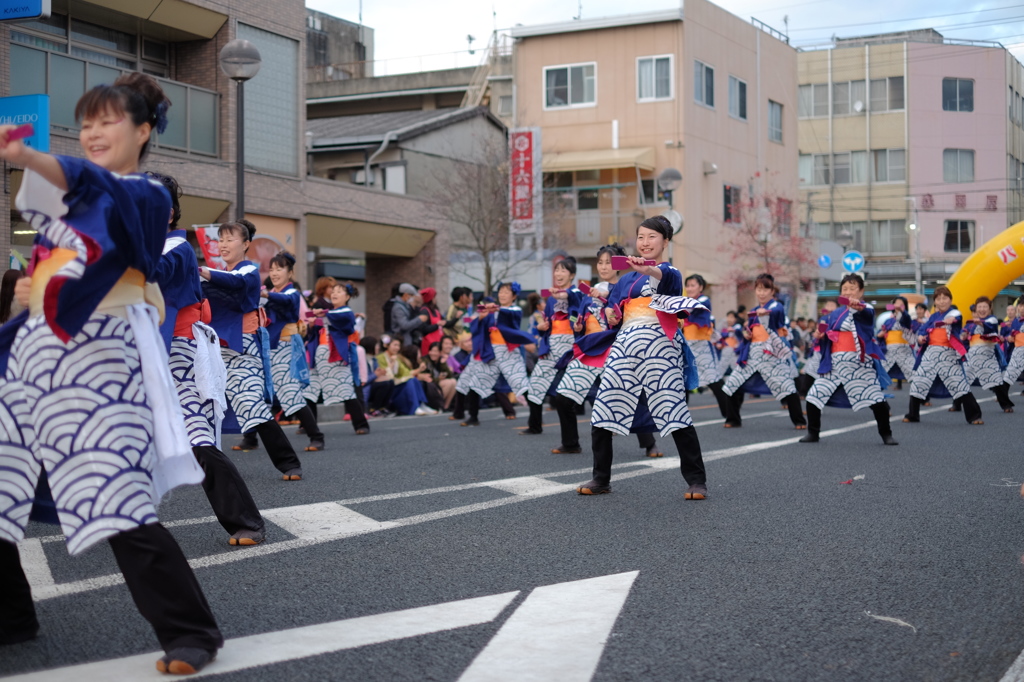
point(824, 261)
point(853, 261)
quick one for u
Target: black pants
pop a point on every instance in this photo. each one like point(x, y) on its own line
point(691, 462)
point(159, 578)
point(228, 495)
point(505, 404)
point(281, 452)
point(566, 408)
point(355, 409)
point(380, 394)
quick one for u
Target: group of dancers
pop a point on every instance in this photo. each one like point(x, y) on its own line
point(130, 359)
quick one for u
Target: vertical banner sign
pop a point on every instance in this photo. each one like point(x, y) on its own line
point(209, 243)
point(525, 181)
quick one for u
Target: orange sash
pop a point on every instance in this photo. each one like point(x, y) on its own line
point(846, 343)
point(693, 332)
point(938, 337)
point(758, 334)
point(561, 327)
point(893, 337)
point(496, 338)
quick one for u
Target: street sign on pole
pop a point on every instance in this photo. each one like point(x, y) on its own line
point(832, 253)
point(24, 9)
point(824, 261)
point(853, 261)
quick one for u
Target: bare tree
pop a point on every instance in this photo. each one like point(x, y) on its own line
point(475, 197)
point(764, 237)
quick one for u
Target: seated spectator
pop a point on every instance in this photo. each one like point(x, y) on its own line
point(439, 380)
point(404, 396)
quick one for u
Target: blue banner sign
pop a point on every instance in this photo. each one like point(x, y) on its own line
point(24, 9)
point(33, 109)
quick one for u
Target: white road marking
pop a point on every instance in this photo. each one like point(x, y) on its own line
point(889, 619)
point(559, 633)
point(1016, 671)
point(286, 645)
point(323, 518)
point(357, 524)
point(34, 563)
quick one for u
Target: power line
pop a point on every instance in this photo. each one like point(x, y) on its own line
point(897, 21)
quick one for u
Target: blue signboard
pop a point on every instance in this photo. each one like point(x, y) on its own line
point(853, 261)
point(34, 109)
point(24, 9)
point(824, 261)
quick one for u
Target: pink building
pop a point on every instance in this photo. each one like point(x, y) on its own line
point(910, 129)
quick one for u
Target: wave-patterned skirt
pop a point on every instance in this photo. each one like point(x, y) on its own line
point(727, 360)
point(899, 355)
point(544, 371)
point(942, 363)
point(246, 383)
point(78, 410)
point(578, 380)
point(858, 379)
point(480, 377)
point(983, 366)
point(777, 374)
point(1014, 366)
point(707, 364)
point(642, 361)
point(334, 378)
point(287, 389)
point(199, 414)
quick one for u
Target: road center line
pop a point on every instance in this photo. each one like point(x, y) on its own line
point(310, 529)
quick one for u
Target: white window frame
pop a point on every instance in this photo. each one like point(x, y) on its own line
point(746, 99)
point(775, 134)
point(568, 67)
point(812, 88)
point(704, 85)
point(888, 166)
point(959, 153)
point(654, 84)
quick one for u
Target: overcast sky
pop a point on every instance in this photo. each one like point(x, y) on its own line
point(412, 35)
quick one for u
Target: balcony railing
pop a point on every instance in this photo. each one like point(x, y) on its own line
point(192, 121)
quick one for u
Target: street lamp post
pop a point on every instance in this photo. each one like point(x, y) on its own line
point(915, 229)
point(240, 61)
point(669, 181)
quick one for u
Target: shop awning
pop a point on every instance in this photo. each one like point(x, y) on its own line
point(598, 159)
point(200, 210)
point(360, 235)
point(184, 20)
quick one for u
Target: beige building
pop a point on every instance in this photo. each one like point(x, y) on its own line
point(620, 99)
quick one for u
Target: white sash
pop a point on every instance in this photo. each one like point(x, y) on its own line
point(210, 372)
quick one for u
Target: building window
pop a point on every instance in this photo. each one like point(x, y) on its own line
point(653, 195)
point(737, 98)
point(958, 165)
point(813, 100)
point(888, 236)
point(858, 168)
point(957, 94)
point(505, 105)
point(822, 170)
point(841, 168)
point(654, 78)
point(774, 121)
point(731, 207)
point(846, 96)
point(959, 236)
point(573, 85)
point(272, 128)
point(887, 94)
point(888, 165)
point(703, 83)
point(783, 216)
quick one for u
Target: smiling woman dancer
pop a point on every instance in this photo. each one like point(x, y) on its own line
point(580, 376)
point(234, 296)
point(644, 380)
point(90, 373)
point(556, 338)
point(698, 330)
point(983, 363)
point(942, 360)
point(766, 354)
point(848, 361)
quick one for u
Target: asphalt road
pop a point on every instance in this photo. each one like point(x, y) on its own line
point(844, 560)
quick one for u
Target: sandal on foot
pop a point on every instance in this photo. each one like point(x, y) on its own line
point(185, 661)
point(654, 453)
point(293, 475)
point(470, 422)
point(977, 422)
point(245, 446)
point(512, 416)
point(593, 488)
point(247, 538)
point(315, 446)
point(362, 432)
point(566, 451)
point(800, 427)
point(697, 491)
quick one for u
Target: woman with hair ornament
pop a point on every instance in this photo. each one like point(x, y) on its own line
point(648, 366)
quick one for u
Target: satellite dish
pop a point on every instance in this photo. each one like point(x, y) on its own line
point(858, 106)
